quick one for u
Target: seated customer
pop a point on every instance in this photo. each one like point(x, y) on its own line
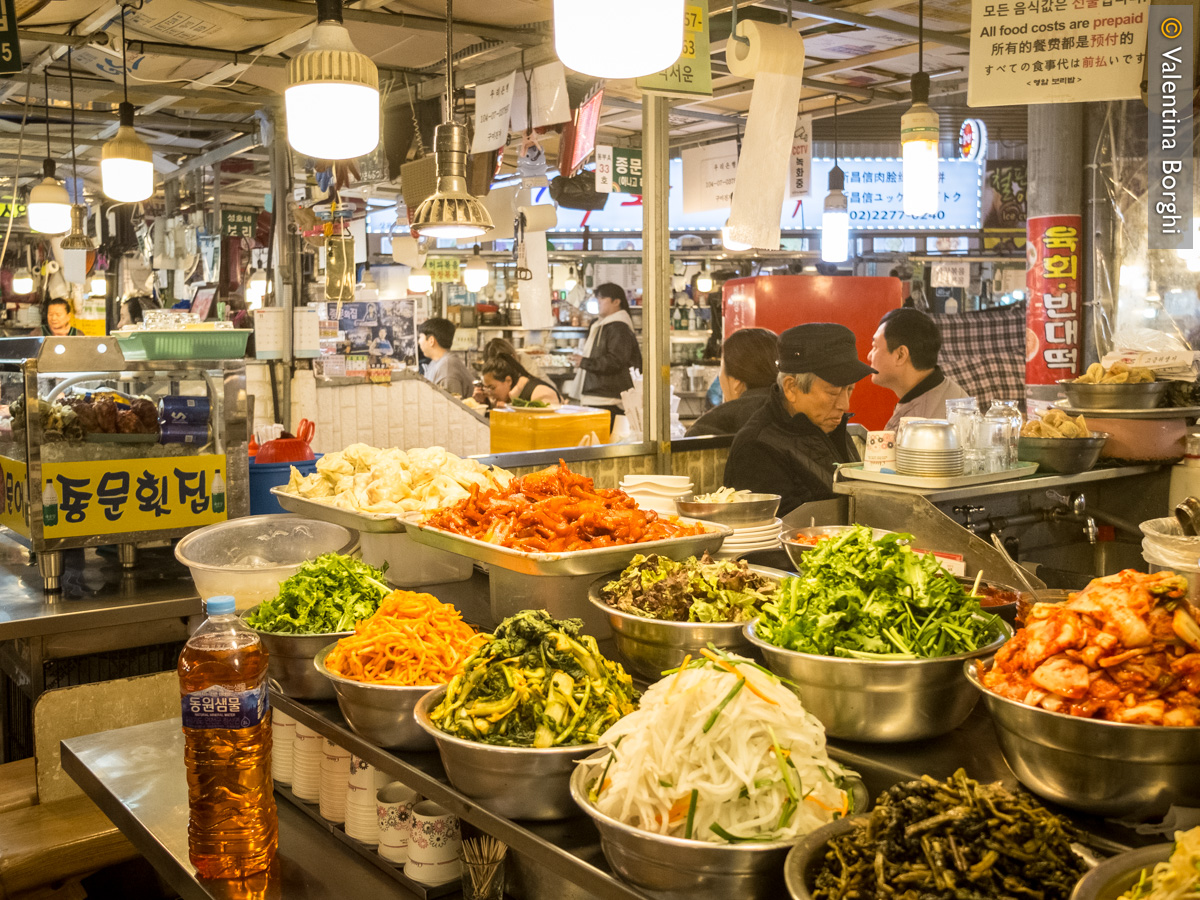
point(434, 337)
point(505, 379)
point(792, 445)
point(904, 353)
point(748, 371)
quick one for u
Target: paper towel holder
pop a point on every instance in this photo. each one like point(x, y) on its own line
point(740, 38)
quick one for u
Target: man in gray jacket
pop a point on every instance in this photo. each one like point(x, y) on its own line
point(904, 354)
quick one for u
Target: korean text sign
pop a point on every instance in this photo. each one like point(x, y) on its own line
point(619, 170)
point(691, 75)
point(127, 495)
point(14, 505)
point(1052, 323)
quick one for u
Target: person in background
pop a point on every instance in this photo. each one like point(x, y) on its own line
point(505, 379)
point(904, 353)
point(610, 351)
point(529, 362)
point(56, 318)
point(748, 370)
point(435, 337)
point(380, 347)
point(793, 444)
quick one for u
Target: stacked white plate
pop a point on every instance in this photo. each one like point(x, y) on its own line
point(929, 462)
point(747, 540)
point(335, 781)
point(308, 752)
point(657, 492)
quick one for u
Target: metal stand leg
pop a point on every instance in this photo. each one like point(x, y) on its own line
point(127, 554)
point(50, 564)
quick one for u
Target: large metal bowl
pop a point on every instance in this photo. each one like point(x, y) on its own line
point(928, 436)
point(381, 713)
point(800, 867)
point(1105, 768)
point(797, 550)
point(514, 782)
point(880, 700)
point(1064, 456)
point(648, 646)
point(290, 661)
point(1113, 877)
point(741, 512)
point(1114, 396)
point(679, 869)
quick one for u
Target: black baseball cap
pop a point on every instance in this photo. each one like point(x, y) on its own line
point(825, 349)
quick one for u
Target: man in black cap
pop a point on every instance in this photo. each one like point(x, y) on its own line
point(793, 444)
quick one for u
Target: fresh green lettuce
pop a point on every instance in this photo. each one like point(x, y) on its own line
point(330, 593)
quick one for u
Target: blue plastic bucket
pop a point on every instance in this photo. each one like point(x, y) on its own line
point(264, 476)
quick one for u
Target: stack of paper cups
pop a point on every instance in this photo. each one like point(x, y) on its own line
point(362, 823)
point(283, 737)
point(308, 751)
point(881, 451)
point(335, 779)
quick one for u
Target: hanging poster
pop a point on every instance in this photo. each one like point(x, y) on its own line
point(1053, 316)
point(708, 176)
point(1056, 51)
point(544, 91)
point(800, 163)
point(691, 75)
point(493, 108)
point(383, 332)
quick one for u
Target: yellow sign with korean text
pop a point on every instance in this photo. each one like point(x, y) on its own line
point(691, 74)
point(129, 495)
point(443, 269)
point(14, 505)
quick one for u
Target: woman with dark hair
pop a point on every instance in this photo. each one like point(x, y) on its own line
point(610, 351)
point(56, 318)
point(749, 366)
point(505, 379)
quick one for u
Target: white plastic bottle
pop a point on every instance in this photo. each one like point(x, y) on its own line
point(218, 493)
point(50, 505)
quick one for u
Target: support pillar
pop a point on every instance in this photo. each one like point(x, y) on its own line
point(656, 279)
point(283, 275)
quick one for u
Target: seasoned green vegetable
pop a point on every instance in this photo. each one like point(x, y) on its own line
point(868, 599)
point(695, 590)
point(329, 593)
point(951, 840)
point(519, 403)
point(537, 683)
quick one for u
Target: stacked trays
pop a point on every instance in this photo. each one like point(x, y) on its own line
point(746, 540)
point(657, 492)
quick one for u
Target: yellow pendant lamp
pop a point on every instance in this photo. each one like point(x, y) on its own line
point(126, 163)
point(49, 206)
point(77, 245)
point(919, 129)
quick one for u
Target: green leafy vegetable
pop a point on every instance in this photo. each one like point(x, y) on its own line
point(519, 403)
point(330, 593)
point(695, 590)
point(866, 599)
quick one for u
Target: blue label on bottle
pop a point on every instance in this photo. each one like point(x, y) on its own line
point(219, 707)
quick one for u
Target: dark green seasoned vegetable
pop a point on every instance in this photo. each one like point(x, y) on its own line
point(951, 840)
point(328, 594)
point(695, 590)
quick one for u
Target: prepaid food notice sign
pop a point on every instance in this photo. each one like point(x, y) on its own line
point(1056, 51)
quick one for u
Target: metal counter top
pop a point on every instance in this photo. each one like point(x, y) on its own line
point(1013, 486)
point(96, 592)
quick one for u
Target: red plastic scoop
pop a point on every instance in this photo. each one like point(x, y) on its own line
point(289, 449)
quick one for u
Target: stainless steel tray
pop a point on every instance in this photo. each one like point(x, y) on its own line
point(372, 523)
point(856, 472)
point(1165, 412)
point(577, 562)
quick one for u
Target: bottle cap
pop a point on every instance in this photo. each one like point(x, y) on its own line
point(217, 606)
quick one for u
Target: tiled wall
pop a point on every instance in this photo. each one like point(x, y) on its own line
point(705, 467)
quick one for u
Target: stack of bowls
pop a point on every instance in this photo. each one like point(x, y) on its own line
point(752, 517)
point(657, 492)
point(929, 447)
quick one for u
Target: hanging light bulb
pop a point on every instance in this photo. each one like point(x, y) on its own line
point(98, 285)
point(919, 129)
point(571, 280)
point(420, 280)
point(451, 211)
point(76, 246)
point(475, 272)
point(599, 42)
point(332, 97)
point(704, 282)
point(733, 246)
point(256, 289)
point(49, 205)
point(126, 163)
point(22, 282)
point(835, 219)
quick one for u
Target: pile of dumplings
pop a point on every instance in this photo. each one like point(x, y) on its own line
point(1054, 423)
point(1119, 373)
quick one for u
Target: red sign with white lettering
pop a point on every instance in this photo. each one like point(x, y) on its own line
point(1053, 343)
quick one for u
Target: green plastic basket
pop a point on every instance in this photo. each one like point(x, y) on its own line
point(227, 343)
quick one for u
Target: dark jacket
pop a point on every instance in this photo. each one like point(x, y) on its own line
point(607, 367)
point(730, 416)
point(778, 453)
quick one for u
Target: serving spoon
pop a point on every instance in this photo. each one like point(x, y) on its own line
point(1017, 570)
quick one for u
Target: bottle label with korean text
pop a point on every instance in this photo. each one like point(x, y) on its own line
point(218, 706)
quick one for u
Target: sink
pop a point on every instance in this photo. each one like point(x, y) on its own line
point(1076, 563)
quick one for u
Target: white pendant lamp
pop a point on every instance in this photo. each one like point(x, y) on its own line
point(126, 164)
point(451, 211)
point(22, 282)
point(49, 206)
point(619, 38)
point(76, 245)
point(919, 129)
point(332, 97)
point(475, 272)
point(420, 280)
point(98, 284)
point(835, 218)
point(704, 282)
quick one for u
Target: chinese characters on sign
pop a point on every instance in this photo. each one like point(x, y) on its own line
point(800, 164)
point(238, 223)
point(1052, 339)
point(493, 103)
point(119, 496)
point(10, 46)
point(1056, 51)
point(618, 170)
point(691, 75)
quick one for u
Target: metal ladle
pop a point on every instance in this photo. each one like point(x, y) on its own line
point(1017, 570)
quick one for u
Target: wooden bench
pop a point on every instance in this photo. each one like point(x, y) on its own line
point(51, 834)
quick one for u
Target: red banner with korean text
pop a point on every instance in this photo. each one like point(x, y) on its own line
point(1053, 320)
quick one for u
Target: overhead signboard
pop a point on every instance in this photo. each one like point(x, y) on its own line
point(1056, 51)
point(10, 45)
point(618, 170)
point(800, 165)
point(709, 174)
point(691, 75)
point(238, 223)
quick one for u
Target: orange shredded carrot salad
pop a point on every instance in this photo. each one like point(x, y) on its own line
point(413, 639)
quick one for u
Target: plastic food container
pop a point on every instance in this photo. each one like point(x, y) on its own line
point(224, 343)
point(518, 429)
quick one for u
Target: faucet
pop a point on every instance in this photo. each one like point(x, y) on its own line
point(1073, 507)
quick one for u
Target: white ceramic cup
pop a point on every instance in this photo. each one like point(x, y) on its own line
point(434, 845)
point(393, 805)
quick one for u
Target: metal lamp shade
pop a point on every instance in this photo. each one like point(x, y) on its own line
point(451, 212)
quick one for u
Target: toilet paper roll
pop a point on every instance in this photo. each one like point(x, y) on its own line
point(542, 217)
point(774, 58)
point(536, 305)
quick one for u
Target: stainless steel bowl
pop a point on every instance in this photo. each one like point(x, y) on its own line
point(741, 512)
point(797, 550)
point(880, 700)
point(800, 867)
point(515, 782)
point(928, 434)
point(1114, 396)
point(648, 646)
point(1064, 456)
point(381, 713)
point(1105, 768)
point(1113, 877)
point(290, 661)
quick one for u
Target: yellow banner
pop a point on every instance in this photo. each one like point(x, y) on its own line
point(14, 509)
point(127, 495)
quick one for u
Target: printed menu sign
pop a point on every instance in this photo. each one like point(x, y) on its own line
point(1056, 51)
point(691, 75)
point(1052, 323)
point(800, 164)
